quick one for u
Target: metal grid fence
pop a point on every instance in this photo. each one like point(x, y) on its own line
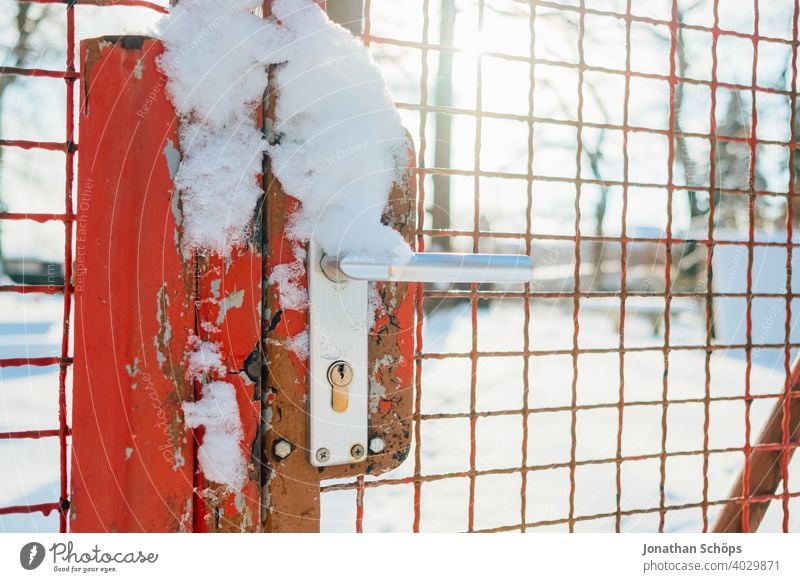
point(414, 479)
point(66, 216)
point(585, 14)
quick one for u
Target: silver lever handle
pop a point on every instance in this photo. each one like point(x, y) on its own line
point(339, 320)
point(433, 268)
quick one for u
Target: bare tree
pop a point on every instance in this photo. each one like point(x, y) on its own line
point(24, 26)
point(24, 46)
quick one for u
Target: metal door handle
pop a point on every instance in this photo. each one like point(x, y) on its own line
point(433, 268)
point(339, 326)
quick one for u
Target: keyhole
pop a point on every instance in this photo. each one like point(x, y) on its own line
point(340, 375)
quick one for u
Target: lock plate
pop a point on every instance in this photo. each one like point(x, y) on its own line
point(338, 332)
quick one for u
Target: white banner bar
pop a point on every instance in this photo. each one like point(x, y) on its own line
point(403, 558)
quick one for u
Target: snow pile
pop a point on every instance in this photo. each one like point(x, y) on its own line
point(335, 143)
point(215, 60)
point(217, 411)
point(219, 455)
point(204, 359)
point(339, 139)
point(289, 279)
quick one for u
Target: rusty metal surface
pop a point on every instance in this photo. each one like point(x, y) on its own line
point(227, 294)
point(291, 486)
point(291, 494)
point(228, 297)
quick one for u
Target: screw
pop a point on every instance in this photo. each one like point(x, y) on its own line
point(357, 451)
point(323, 455)
point(282, 449)
point(376, 445)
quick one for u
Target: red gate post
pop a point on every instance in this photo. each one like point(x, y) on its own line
point(139, 302)
point(229, 298)
point(131, 458)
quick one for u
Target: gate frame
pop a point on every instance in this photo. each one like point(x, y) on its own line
point(129, 129)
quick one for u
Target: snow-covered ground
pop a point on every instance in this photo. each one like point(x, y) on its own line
point(29, 326)
point(445, 443)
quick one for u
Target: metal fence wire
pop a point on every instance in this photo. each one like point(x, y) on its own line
point(527, 418)
point(643, 153)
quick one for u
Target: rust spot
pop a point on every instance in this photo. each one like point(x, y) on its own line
point(129, 42)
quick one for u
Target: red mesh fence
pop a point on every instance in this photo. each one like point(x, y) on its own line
point(694, 417)
point(530, 413)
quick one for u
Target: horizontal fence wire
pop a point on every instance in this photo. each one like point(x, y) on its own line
point(69, 74)
point(540, 299)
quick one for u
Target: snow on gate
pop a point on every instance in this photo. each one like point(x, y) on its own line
point(626, 388)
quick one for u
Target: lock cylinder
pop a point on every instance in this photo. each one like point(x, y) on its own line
point(340, 375)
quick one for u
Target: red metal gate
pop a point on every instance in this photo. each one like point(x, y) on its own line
point(134, 463)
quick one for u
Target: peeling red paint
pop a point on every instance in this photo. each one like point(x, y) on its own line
point(131, 460)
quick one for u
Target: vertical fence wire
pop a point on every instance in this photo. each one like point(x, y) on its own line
point(673, 28)
point(473, 300)
point(526, 321)
point(69, 78)
point(623, 268)
point(787, 363)
point(422, 149)
point(709, 313)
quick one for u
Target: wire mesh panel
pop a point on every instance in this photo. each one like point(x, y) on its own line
point(643, 153)
point(42, 246)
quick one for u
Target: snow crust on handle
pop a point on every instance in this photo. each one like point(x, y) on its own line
point(336, 142)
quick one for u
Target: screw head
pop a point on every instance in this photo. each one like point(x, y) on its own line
point(282, 449)
point(376, 445)
point(323, 455)
point(357, 451)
